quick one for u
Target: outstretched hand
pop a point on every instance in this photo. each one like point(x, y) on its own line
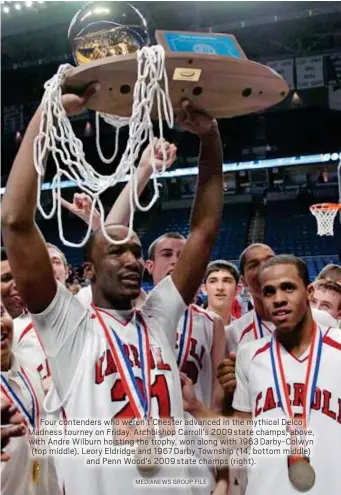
point(170, 152)
point(75, 104)
point(196, 120)
point(81, 207)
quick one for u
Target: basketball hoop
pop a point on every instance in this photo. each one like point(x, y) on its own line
point(325, 214)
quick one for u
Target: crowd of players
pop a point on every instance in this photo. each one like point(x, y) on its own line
point(112, 351)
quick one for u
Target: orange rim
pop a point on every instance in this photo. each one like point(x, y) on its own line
point(325, 206)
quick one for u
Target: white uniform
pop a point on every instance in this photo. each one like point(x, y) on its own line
point(27, 343)
point(256, 393)
point(246, 328)
point(198, 328)
point(84, 296)
point(87, 384)
point(198, 365)
point(16, 474)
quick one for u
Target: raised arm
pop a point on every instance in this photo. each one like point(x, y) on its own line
point(25, 246)
point(208, 203)
point(120, 211)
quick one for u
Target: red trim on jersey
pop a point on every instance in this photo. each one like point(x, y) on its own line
point(124, 323)
point(298, 359)
point(245, 331)
point(325, 335)
point(331, 342)
point(27, 329)
point(262, 349)
point(201, 312)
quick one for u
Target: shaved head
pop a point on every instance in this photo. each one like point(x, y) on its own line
point(97, 241)
point(115, 270)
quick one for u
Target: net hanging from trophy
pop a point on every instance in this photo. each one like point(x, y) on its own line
point(139, 83)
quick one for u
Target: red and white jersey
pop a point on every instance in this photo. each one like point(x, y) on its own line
point(194, 341)
point(256, 394)
point(247, 328)
point(16, 474)
point(87, 384)
point(84, 295)
point(26, 342)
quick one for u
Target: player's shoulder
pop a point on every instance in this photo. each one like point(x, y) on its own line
point(203, 313)
point(255, 349)
point(243, 322)
point(20, 362)
point(22, 326)
point(84, 296)
point(323, 318)
point(237, 327)
point(332, 337)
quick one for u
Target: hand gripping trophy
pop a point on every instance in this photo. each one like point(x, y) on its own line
point(138, 83)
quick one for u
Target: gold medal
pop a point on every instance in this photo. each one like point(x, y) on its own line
point(145, 456)
point(302, 475)
point(36, 472)
point(145, 462)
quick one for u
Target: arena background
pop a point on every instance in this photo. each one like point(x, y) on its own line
point(277, 163)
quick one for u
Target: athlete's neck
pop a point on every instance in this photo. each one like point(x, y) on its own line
point(103, 302)
point(259, 308)
point(224, 313)
point(298, 340)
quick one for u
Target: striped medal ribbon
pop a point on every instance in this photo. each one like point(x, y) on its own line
point(185, 338)
point(300, 471)
point(31, 419)
point(139, 401)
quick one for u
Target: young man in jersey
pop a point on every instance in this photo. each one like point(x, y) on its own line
point(207, 335)
point(253, 325)
point(81, 349)
point(206, 349)
point(25, 338)
point(221, 285)
point(326, 296)
point(278, 369)
point(21, 387)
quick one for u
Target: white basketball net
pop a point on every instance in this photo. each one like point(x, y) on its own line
point(56, 136)
point(325, 216)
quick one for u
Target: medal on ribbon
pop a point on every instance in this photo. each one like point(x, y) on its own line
point(258, 327)
point(300, 471)
point(31, 418)
point(139, 401)
point(36, 472)
point(185, 338)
